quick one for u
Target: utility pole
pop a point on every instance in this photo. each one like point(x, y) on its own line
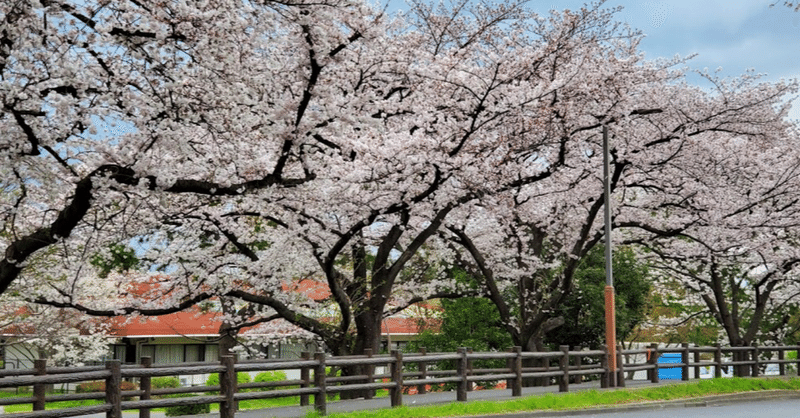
point(611, 314)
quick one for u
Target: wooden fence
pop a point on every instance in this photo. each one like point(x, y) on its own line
point(416, 371)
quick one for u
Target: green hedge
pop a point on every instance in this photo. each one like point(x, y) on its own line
point(241, 378)
point(173, 411)
point(100, 386)
point(275, 376)
point(165, 382)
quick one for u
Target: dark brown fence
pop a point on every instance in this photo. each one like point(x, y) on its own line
point(401, 373)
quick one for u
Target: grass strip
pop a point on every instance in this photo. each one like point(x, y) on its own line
point(581, 400)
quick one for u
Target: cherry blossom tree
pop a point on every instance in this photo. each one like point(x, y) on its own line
point(736, 257)
point(100, 97)
point(267, 143)
point(526, 245)
point(397, 126)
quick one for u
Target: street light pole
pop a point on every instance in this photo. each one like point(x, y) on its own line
point(611, 321)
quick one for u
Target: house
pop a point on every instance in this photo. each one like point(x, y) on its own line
point(193, 335)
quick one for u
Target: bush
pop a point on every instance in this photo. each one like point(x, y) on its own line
point(91, 387)
point(275, 376)
point(241, 378)
point(173, 411)
point(165, 382)
point(100, 386)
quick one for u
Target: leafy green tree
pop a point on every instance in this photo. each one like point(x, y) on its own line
point(466, 322)
point(584, 309)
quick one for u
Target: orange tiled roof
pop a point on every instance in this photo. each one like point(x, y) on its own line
point(178, 323)
point(195, 323)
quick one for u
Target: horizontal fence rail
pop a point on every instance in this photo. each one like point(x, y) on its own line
point(400, 373)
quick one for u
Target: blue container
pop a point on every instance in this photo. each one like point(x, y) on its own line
point(669, 373)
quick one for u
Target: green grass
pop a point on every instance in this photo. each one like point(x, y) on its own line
point(580, 400)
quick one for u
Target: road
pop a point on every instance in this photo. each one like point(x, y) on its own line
point(787, 408)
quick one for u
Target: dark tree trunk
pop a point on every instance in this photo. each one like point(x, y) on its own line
point(368, 336)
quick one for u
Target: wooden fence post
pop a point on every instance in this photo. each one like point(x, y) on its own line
point(544, 381)
point(697, 360)
point(370, 372)
point(605, 381)
point(620, 368)
point(685, 361)
point(756, 362)
point(319, 381)
point(423, 369)
point(797, 356)
point(718, 361)
point(469, 369)
point(653, 360)
point(510, 367)
point(781, 366)
point(39, 389)
point(305, 376)
point(113, 395)
point(227, 383)
point(146, 387)
point(397, 378)
point(516, 368)
point(576, 379)
point(563, 383)
point(461, 372)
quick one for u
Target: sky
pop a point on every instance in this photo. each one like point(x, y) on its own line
point(733, 35)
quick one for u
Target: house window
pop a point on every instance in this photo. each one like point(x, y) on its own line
point(172, 353)
point(193, 353)
point(212, 353)
point(118, 352)
point(149, 351)
point(180, 353)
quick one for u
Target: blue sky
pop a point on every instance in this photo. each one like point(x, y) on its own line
point(735, 35)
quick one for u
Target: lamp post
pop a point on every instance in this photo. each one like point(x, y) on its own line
point(610, 309)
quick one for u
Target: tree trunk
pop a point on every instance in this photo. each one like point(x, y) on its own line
point(368, 336)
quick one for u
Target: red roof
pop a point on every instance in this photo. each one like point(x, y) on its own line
point(180, 323)
point(406, 326)
point(193, 322)
point(207, 324)
point(316, 290)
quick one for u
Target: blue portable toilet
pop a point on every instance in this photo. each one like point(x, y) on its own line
point(669, 373)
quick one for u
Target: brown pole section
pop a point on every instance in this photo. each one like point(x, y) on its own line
point(611, 335)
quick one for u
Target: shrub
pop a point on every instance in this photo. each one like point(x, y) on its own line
point(197, 409)
point(275, 376)
point(100, 386)
point(241, 378)
point(165, 382)
point(91, 387)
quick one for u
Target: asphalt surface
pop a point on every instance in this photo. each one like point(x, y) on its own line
point(748, 404)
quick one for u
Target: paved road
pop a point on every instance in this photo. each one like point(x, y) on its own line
point(789, 408)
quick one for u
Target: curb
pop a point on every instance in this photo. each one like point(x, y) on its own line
point(705, 401)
